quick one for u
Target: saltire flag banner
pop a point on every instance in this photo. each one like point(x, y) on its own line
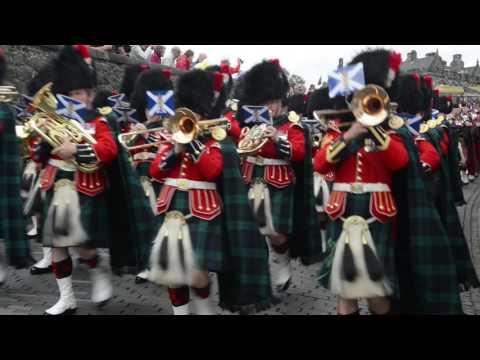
point(413, 124)
point(127, 115)
point(435, 113)
point(22, 109)
point(255, 114)
point(346, 80)
point(160, 103)
point(118, 102)
point(71, 108)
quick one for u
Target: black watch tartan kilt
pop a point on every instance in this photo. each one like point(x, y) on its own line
point(359, 204)
point(206, 235)
point(282, 201)
point(93, 216)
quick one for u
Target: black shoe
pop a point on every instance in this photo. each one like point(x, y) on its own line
point(40, 271)
point(139, 280)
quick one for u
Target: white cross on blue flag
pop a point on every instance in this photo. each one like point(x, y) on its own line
point(71, 108)
point(160, 103)
point(346, 80)
point(255, 114)
point(118, 102)
point(413, 124)
point(127, 115)
point(21, 108)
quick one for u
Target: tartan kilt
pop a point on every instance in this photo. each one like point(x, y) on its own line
point(93, 216)
point(282, 204)
point(143, 169)
point(359, 204)
point(206, 236)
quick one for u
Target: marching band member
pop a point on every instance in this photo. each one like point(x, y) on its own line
point(75, 211)
point(206, 224)
point(12, 226)
point(280, 174)
point(362, 207)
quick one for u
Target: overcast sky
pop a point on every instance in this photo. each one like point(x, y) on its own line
point(313, 61)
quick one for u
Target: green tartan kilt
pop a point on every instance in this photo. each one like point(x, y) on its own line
point(282, 201)
point(206, 236)
point(143, 169)
point(359, 204)
point(93, 216)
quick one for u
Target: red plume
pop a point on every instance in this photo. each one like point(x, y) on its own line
point(394, 61)
point(167, 73)
point(218, 82)
point(83, 51)
point(428, 81)
point(276, 62)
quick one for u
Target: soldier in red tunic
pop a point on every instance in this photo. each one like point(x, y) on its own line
point(271, 172)
point(76, 212)
point(361, 261)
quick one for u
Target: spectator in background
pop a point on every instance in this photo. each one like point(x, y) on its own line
point(232, 70)
point(157, 54)
point(298, 102)
point(202, 62)
point(184, 62)
point(141, 53)
point(171, 59)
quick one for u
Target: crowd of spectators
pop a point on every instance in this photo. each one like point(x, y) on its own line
point(157, 54)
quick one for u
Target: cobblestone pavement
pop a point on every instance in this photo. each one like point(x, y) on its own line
point(24, 294)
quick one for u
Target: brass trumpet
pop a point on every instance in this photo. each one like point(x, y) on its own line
point(186, 127)
point(128, 139)
point(54, 128)
point(371, 105)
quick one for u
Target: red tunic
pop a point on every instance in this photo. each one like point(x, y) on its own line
point(279, 176)
point(445, 142)
point(363, 168)
point(106, 151)
point(428, 154)
point(204, 203)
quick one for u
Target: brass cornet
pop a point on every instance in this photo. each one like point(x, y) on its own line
point(186, 127)
point(54, 128)
point(371, 105)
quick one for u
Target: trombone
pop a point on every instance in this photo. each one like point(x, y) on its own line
point(128, 139)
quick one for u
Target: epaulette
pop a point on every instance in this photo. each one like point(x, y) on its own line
point(395, 122)
point(424, 128)
point(8, 94)
point(432, 124)
point(104, 111)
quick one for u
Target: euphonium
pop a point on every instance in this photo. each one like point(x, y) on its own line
point(371, 105)
point(54, 128)
point(186, 127)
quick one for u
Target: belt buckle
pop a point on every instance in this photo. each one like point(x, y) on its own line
point(357, 188)
point(260, 161)
point(182, 184)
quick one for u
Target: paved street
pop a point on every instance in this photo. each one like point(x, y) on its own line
point(24, 294)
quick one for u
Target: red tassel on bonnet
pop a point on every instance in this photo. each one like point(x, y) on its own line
point(395, 61)
point(84, 53)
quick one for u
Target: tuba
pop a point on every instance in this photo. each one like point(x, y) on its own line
point(53, 128)
point(186, 127)
point(371, 105)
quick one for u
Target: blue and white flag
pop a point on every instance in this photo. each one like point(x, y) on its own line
point(118, 102)
point(255, 114)
point(71, 108)
point(21, 108)
point(127, 115)
point(413, 123)
point(346, 80)
point(160, 103)
point(435, 113)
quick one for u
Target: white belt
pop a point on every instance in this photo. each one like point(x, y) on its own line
point(184, 184)
point(263, 161)
point(361, 188)
point(63, 165)
point(144, 156)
